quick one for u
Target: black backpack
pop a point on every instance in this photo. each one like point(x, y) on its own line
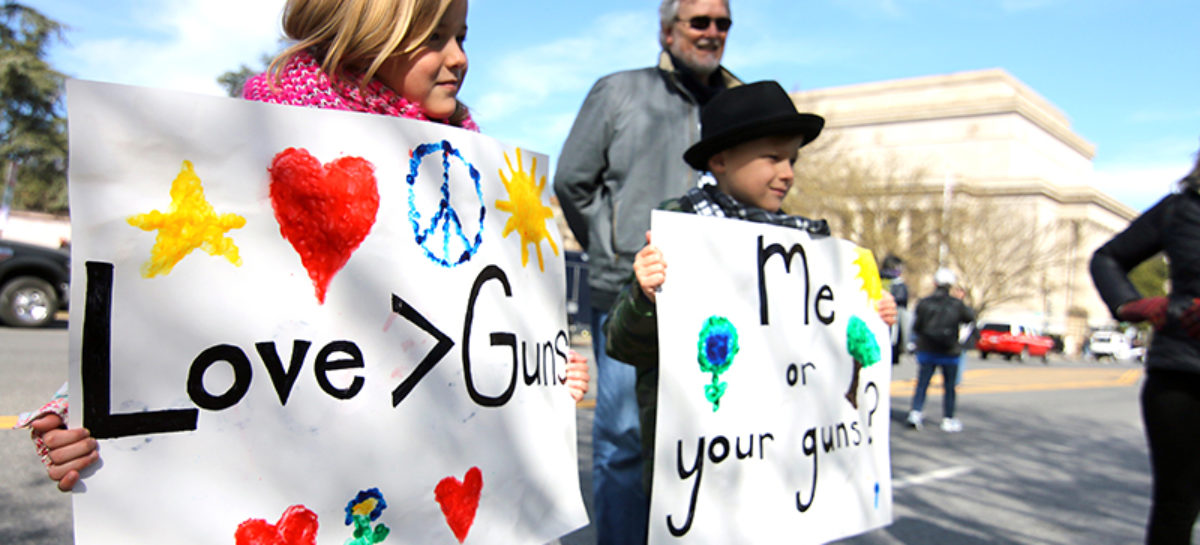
point(937, 322)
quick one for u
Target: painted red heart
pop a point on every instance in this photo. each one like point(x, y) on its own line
point(324, 211)
point(459, 501)
point(297, 526)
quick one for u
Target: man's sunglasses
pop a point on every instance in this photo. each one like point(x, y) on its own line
point(702, 22)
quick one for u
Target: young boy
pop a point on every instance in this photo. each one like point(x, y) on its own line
point(750, 137)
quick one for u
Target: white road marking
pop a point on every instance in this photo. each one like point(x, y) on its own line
point(935, 475)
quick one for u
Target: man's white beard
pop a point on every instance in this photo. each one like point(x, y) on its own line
point(702, 70)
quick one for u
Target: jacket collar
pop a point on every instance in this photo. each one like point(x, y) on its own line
point(667, 65)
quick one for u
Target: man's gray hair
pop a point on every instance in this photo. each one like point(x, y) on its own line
point(668, 10)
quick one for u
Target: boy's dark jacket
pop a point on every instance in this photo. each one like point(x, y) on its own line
point(632, 327)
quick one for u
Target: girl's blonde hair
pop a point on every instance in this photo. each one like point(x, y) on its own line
point(356, 36)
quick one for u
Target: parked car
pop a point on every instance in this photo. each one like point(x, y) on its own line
point(34, 283)
point(1013, 340)
point(1110, 344)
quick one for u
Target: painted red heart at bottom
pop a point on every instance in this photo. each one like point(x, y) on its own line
point(459, 501)
point(297, 526)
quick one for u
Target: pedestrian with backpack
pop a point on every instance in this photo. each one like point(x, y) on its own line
point(939, 317)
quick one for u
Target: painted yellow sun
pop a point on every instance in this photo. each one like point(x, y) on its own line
point(868, 273)
point(529, 215)
point(189, 223)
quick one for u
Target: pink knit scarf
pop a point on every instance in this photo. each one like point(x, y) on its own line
point(303, 83)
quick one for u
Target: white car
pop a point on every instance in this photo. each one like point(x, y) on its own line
point(1110, 344)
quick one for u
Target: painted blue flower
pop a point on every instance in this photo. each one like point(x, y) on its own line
point(718, 345)
point(715, 351)
point(366, 503)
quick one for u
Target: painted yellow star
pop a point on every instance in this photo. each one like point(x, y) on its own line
point(189, 223)
point(529, 215)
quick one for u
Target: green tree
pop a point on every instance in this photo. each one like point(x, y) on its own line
point(234, 80)
point(884, 204)
point(1150, 278)
point(32, 127)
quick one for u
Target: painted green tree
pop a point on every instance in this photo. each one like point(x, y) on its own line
point(33, 129)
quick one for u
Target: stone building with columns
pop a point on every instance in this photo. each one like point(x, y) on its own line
point(990, 157)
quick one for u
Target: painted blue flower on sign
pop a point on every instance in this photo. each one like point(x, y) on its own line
point(365, 508)
point(442, 234)
point(715, 350)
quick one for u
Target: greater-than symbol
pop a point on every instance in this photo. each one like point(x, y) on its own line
point(439, 351)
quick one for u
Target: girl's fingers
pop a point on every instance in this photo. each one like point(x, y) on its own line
point(576, 392)
point(73, 451)
point(68, 474)
point(46, 423)
point(68, 482)
point(577, 375)
point(56, 438)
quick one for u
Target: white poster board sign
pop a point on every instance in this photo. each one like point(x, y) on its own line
point(293, 325)
point(767, 426)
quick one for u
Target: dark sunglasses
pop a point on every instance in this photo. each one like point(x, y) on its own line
point(702, 22)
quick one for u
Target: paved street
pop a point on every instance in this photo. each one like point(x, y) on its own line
point(33, 363)
point(1051, 454)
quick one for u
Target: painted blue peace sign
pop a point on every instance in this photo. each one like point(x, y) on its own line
point(457, 247)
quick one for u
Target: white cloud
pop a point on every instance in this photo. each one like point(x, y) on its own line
point(529, 96)
point(1161, 116)
point(523, 80)
point(774, 53)
point(1139, 186)
point(180, 45)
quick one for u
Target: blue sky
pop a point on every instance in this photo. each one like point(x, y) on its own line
point(1125, 72)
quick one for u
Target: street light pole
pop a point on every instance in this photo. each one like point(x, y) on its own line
point(10, 187)
point(947, 197)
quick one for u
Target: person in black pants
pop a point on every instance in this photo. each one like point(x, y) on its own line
point(1171, 393)
point(891, 274)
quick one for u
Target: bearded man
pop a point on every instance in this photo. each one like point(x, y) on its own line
point(622, 158)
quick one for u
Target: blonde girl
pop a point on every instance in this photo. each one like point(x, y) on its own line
point(391, 57)
point(402, 58)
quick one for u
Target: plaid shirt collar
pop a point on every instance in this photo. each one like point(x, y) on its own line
point(708, 201)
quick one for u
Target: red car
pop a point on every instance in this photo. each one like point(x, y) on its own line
point(1012, 340)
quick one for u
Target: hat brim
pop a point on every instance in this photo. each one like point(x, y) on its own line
point(807, 125)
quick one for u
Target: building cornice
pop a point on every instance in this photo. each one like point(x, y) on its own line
point(1009, 187)
point(964, 94)
point(1067, 195)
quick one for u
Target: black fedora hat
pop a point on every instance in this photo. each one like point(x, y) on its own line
point(743, 113)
